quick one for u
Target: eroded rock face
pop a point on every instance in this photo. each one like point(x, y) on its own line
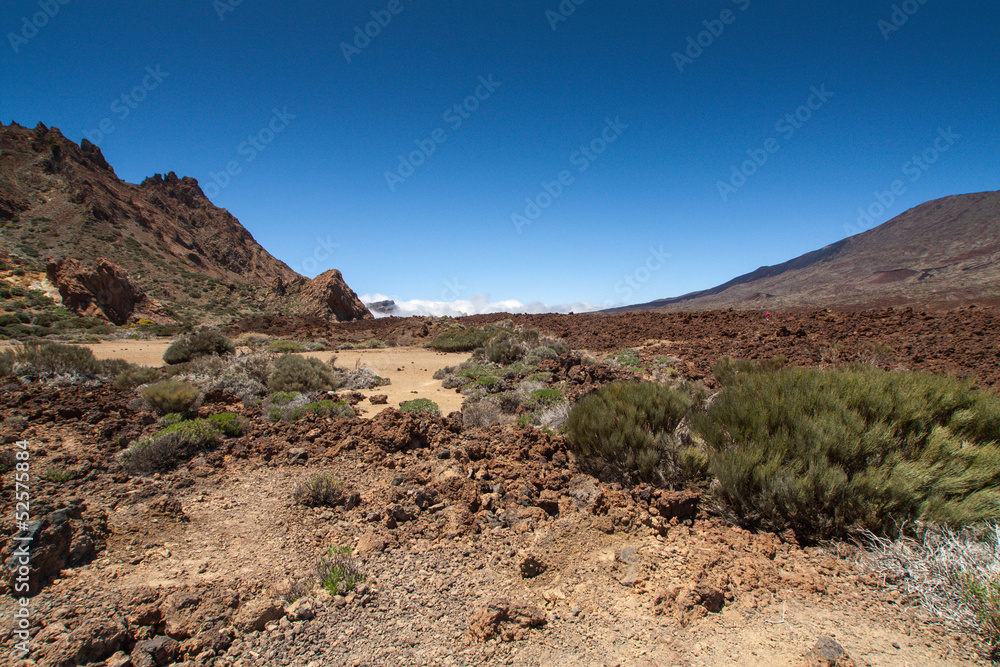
point(104, 291)
point(328, 296)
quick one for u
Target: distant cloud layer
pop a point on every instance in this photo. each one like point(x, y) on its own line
point(474, 305)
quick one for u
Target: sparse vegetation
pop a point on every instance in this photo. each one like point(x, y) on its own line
point(58, 475)
point(324, 490)
point(171, 396)
point(199, 344)
point(229, 424)
point(163, 450)
point(424, 406)
point(955, 574)
point(302, 374)
point(338, 573)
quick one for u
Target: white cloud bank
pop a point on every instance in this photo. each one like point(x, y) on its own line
point(475, 305)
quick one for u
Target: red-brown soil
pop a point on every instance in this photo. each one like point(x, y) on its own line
point(963, 341)
point(480, 546)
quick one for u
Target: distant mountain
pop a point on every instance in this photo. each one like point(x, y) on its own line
point(60, 200)
point(938, 255)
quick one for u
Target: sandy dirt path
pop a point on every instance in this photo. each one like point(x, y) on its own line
point(411, 370)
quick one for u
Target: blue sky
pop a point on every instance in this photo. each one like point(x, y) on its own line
point(622, 123)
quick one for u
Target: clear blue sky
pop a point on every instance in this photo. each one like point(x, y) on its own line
point(445, 231)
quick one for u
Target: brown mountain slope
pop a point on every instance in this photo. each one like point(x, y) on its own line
point(938, 255)
point(60, 200)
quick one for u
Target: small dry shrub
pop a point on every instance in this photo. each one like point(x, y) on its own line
point(324, 490)
point(171, 396)
point(301, 374)
point(481, 413)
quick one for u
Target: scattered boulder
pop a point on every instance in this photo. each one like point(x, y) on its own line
point(255, 614)
point(378, 399)
point(506, 620)
point(827, 653)
point(155, 652)
point(531, 566)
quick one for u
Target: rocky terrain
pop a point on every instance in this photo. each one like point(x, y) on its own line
point(479, 545)
point(941, 254)
point(60, 201)
point(960, 342)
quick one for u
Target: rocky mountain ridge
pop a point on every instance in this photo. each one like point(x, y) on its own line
point(63, 201)
point(939, 255)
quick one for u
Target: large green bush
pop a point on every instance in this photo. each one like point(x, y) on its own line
point(200, 344)
point(295, 373)
point(630, 429)
point(825, 452)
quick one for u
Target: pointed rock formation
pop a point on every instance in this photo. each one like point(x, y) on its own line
point(328, 296)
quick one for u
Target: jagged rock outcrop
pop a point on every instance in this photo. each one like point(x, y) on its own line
point(104, 291)
point(328, 296)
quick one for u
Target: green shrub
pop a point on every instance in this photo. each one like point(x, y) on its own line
point(200, 344)
point(171, 418)
point(229, 424)
point(38, 359)
point(626, 359)
point(321, 490)
point(57, 476)
point(423, 406)
point(171, 396)
point(505, 347)
point(301, 374)
point(629, 429)
point(172, 443)
point(329, 408)
point(285, 346)
point(460, 339)
point(547, 397)
point(826, 452)
point(338, 573)
point(134, 376)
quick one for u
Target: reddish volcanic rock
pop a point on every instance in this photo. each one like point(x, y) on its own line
point(105, 291)
point(327, 296)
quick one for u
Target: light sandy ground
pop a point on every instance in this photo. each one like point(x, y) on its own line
point(145, 352)
point(411, 370)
